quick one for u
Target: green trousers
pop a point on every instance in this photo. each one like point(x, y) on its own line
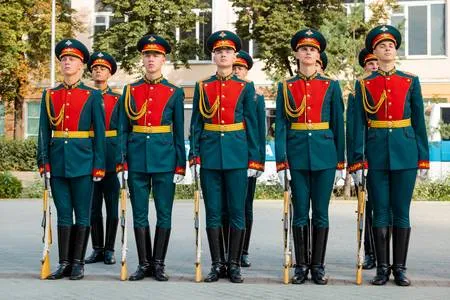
point(391, 195)
point(140, 186)
point(218, 185)
point(107, 189)
point(311, 188)
point(72, 195)
point(251, 188)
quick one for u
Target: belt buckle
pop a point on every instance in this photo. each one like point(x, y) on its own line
point(66, 134)
point(149, 129)
point(222, 128)
point(390, 124)
point(309, 126)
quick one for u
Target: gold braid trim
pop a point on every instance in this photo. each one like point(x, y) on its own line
point(207, 113)
point(367, 107)
point(129, 110)
point(55, 121)
point(292, 112)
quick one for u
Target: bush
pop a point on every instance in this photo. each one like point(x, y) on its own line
point(35, 190)
point(438, 190)
point(18, 155)
point(10, 186)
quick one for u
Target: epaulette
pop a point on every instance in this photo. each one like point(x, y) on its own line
point(408, 73)
point(364, 76)
point(326, 77)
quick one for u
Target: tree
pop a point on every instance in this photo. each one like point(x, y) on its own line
point(271, 24)
point(25, 47)
point(151, 16)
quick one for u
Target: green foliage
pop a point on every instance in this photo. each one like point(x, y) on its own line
point(184, 191)
point(10, 186)
point(444, 130)
point(18, 155)
point(438, 190)
point(35, 190)
point(145, 17)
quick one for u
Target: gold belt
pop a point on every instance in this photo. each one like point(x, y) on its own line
point(108, 133)
point(224, 128)
point(71, 134)
point(152, 129)
point(389, 124)
point(310, 126)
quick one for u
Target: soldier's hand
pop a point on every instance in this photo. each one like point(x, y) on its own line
point(121, 176)
point(251, 173)
point(195, 169)
point(281, 175)
point(97, 179)
point(423, 174)
point(46, 174)
point(358, 175)
point(258, 174)
point(177, 178)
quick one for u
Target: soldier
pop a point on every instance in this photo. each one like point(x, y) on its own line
point(103, 66)
point(226, 149)
point(369, 63)
point(151, 134)
point(322, 63)
point(241, 66)
point(309, 148)
point(69, 157)
point(390, 138)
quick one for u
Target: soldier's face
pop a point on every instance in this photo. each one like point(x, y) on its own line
point(385, 51)
point(307, 55)
point(70, 65)
point(224, 57)
point(100, 73)
point(153, 61)
point(240, 71)
point(371, 66)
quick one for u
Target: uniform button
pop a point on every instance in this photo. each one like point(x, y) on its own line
point(222, 134)
point(389, 90)
point(309, 121)
point(307, 83)
point(223, 108)
point(223, 84)
point(390, 130)
point(309, 107)
point(389, 103)
point(223, 96)
point(65, 142)
point(388, 78)
point(67, 104)
point(310, 134)
point(149, 124)
point(67, 129)
point(308, 95)
point(148, 136)
point(390, 117)
point(222, 121)
point(67, 117)
point(151, 88)
point(148, 112)
point(150, 99)
point(69, 93)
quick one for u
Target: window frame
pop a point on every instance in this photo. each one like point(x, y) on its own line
point(26, 111)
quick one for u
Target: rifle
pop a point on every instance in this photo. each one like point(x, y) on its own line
point(287, 256)
point(198, 236)
point(360, 222)
point(46, 223)
point(123, 219)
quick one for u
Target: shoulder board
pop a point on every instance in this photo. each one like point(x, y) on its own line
point(205, 79)
point(408, 73)
point(326, 77)
point(364, 76)
point(290, 78)
point(172, 84)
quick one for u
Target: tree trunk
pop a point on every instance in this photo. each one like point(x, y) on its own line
point(18, 116)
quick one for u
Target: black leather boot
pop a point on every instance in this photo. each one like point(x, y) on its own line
point(226, 236)
point(162, 236)
point(111, 231)
point(381, 237)
point(319, 247)
point(97, 242)
point(234, 255)
point(369, 249)
point(142, 236)
point(223, 273)
point(245, 263)
point(65, 267)
point(79, 251)
point(215, 248)
point(301, 235)
point(400, 245)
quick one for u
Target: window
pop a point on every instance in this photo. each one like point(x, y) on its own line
point(251, 47)
point(2, 119)
point(104, 17)
point(422, 24)
point(33, 110)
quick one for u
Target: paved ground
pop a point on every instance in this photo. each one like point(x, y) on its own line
point(428, 261)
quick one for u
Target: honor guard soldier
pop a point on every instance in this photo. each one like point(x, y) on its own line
point(152, 139)
point(390, 139)
point(369, 62)
point(224, 142)
point(241, 66)
point(69, 156)
point(322, 63)
point(309, 149)
point(102, 66)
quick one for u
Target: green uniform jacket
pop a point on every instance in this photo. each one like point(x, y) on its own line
point(111, 107)
point(261, 117)
point(220, 150)
point(390, 148)
point(349, 128)
point(310, 149)
point(160, 104)
point(79, 109)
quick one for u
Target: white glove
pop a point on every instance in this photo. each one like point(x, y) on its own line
point(177, 178)
point(339, 175)
point(122, 175)
point(47, 175)
point(423, 174)
point(97, 179)
point(251, 172)
point(281, 176)
point(195, 169)
point(259, 173)
point(357, 177)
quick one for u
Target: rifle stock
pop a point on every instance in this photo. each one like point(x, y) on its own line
point(360, 221)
